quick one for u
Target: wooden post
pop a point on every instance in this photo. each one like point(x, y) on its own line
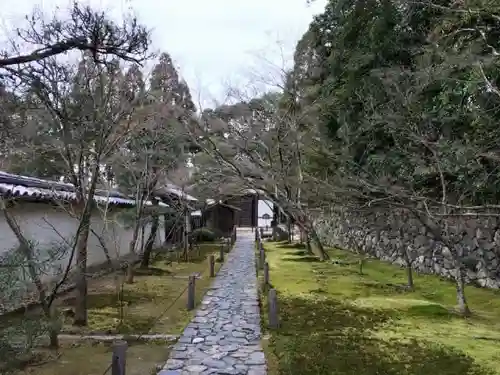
point(211, 262)
point(191, 292)
point(266, 275)
point(262, 258)
point(256, 235)
point(221, 252)
point(261, 232)
point(273, 309)
point(187, 223)
point(118, 362)
point(257, 265)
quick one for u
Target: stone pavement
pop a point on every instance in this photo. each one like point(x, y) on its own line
point(224, 336)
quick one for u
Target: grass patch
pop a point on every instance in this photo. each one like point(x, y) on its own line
point(86, 359)
point(336, 321)
point(150, 305)
point(154, 290)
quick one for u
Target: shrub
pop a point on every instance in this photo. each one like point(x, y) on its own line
point(204, 235)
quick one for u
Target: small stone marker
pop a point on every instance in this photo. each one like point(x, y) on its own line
point(118, 357)
point(273, 309)
point(191, 292)
point(211, 263)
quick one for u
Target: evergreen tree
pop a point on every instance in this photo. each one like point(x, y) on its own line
point(167, 87)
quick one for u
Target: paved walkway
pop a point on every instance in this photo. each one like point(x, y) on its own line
point(224, 336)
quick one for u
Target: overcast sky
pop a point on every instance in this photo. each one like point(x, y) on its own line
point(215, 43)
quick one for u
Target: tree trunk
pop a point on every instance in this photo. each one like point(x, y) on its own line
point(317, 247)
point(130, 266)
point(186, 234)
point(361, 264)
point(54, 327)
point(308, 246)
point(27, 251)
point(289, 228)
point(53, 338)
point(81, 282)
point(314, 244)
point(274, 234)
point(151, 239)
point(130, 270)
point(275, 222)
point(143, 234)
point(302, 236)
point(463, 307)
point(129, 279)
point(104, 248)
point(409, 270)
point(166, 228)
point(409, 274)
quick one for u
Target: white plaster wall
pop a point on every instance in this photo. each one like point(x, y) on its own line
point(49, 225)
point(265, 207)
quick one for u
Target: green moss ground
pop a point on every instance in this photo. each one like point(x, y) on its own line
point(154, 290)
point(145, 311)
point(337, 321)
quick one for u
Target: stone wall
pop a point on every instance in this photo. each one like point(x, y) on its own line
point(389, 235)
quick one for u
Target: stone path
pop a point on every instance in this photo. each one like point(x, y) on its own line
point(224, 336)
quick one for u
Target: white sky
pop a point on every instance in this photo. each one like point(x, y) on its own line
point(215, 43)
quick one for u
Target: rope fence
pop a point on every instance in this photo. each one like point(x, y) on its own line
point(120, 346)
point(117, 365)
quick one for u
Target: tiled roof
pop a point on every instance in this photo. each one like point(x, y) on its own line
point(182, 194)
point(31, 187)
point(171, 189)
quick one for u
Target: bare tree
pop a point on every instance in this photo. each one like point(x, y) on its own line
point(148, 156)
point(256, 146)
point(429, 174)
point(156, 148)
point(82, 114)
point(86, 30)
